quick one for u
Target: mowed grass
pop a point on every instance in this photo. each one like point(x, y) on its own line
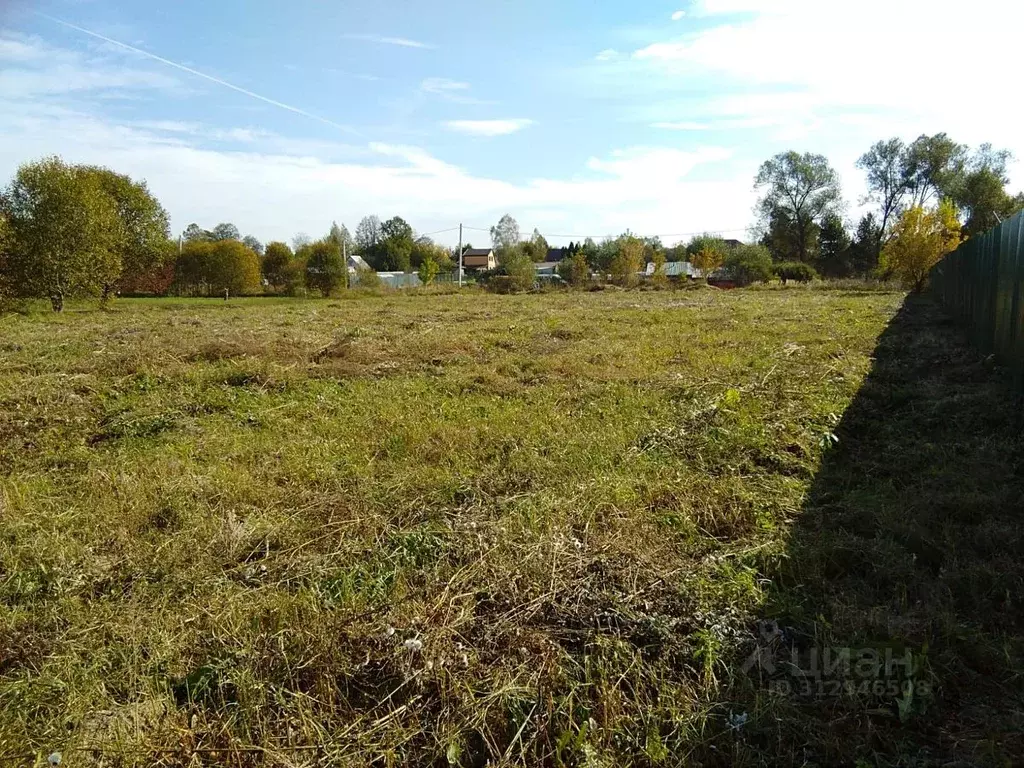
point(411, 529)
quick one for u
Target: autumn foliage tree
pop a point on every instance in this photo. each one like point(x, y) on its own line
point(921, 237)
point(627, 261)
point(210, 267)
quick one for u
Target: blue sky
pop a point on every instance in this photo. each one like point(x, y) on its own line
point(578, 118)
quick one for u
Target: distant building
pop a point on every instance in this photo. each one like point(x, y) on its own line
point(729, 243)
point(356, 262)
point(555, 255)
point(677, 269)
point(478, 260)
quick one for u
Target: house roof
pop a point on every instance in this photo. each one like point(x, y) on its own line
point(555, 255)
point(477, 252)
point(355, 261)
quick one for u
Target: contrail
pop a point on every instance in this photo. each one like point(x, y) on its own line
point(197, 73)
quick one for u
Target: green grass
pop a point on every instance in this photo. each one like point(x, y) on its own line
point(452, 529)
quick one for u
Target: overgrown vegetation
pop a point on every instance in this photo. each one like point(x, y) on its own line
point(459, 528)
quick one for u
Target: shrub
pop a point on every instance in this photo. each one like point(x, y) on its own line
point(367, 278)
point(575, 270)
point(748, 264)
point(794, 270)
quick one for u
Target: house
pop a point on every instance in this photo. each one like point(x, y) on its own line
point(730, 243)
point(679, 270)
point(356, 262)
point(545, 268)
point(556, 255)
point(478, 260)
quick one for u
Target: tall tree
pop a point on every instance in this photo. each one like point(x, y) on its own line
point(536, 247)
point(251, 242)
point(981, 196)
point(393, 252)
point(802, 187)
point(864, 248)
point(193, 233)
point(339, 235)
point(890, 176)
point(63, 232)
point(936, 166)
point(505, 236)
point(226, 231)
point(833, 246)
point(367, 234)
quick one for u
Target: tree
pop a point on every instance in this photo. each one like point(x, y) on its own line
point(707, 259)
point(63, 232)
point(658, 260)
point(341, 237)
point(367, 234)
point(300, 241)
point(920, 239)
point(833, 246)
point(141, 236)
point(424, 249)
point(981, 194)
point(393, 250)
point(536, 247)
point(518, 267)
point(326, 271)
point(193, 232)
point(211, 267)
point(505, 236)
point(748, 264)
point(226, 231)
point(935, 165)
point(428, 271)
point(253, 244)
point(890, 176)
point(863, 251)
point(628, 260)
point(574, 269)
point(802, 188)
point(276, 259)
point(706, 252)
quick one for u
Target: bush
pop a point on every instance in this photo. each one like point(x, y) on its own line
point(748, 264)
point(515, 273)
point(794, 270)
point(367, 278)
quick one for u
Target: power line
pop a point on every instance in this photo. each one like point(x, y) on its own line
point(439, 232)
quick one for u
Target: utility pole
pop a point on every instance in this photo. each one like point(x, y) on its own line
point(460, 255)
point(344, 261)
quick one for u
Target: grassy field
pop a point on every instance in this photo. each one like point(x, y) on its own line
point(536, 530)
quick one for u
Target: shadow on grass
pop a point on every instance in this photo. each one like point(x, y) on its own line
point(894, 634)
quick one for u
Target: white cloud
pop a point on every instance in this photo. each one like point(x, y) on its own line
point(678, 15)
point(488, 127)
point(607, 54)
point(449, 90)
point(403, 42)
point(681, 125)
point(274, 190)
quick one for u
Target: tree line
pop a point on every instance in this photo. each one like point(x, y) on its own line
point(82, 230)
point(926, 197)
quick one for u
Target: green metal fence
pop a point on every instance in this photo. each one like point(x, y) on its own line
point(982, 284)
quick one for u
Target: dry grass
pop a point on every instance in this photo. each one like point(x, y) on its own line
point(411, 530)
